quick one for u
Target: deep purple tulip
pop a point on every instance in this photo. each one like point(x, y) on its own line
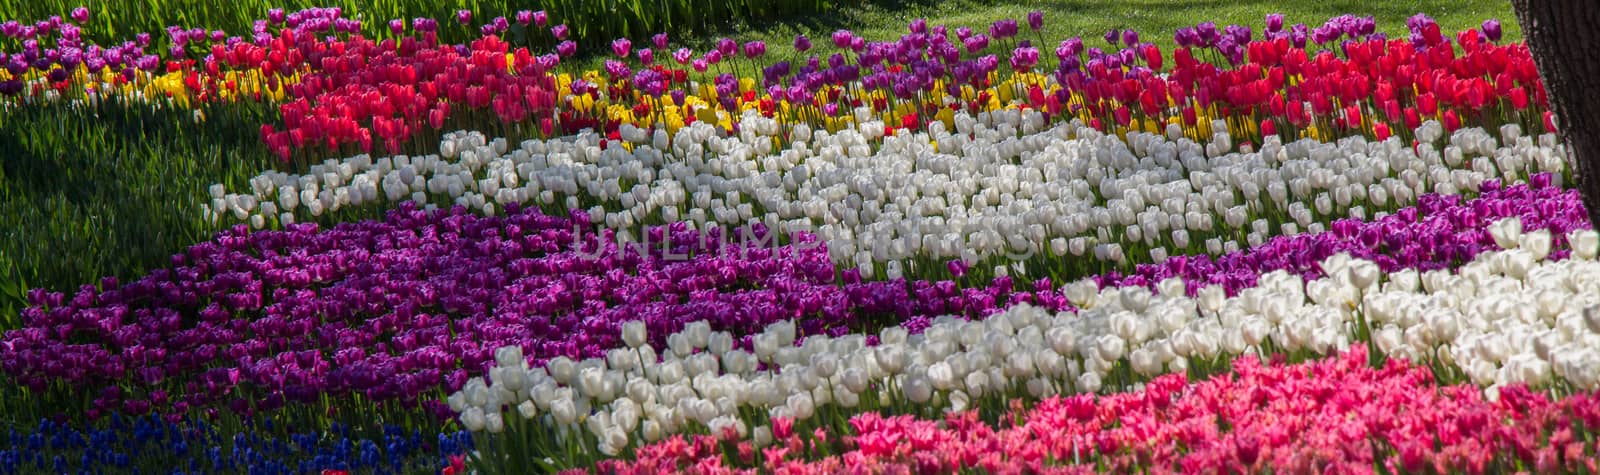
point(1130, 37)
point(1207, 34)
point(919, 25)
point(1002, 29)
point(1274, 22)
point(540, 18)
point(80, 15)
point(660, 40)
point(1036, 20)
point(397, 26)
point(525, 17)
point(464, 16)
point(802, 43)
point(1491, 30)
point(275, 16)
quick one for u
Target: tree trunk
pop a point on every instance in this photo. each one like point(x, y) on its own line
point(1565, 43)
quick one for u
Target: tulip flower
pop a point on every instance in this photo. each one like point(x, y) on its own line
point(755, 49)
point(622, 47)
point(1491, 30)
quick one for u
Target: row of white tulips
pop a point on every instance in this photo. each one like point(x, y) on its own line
point(982, 192)
point(1510, 316)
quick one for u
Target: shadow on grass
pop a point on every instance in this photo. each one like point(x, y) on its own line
point(113, 191)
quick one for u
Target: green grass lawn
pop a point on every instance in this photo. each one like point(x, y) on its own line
point(85, 196)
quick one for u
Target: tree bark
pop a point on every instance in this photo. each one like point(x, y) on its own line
point(1564, 38)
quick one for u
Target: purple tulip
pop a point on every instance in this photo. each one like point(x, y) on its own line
point(976, 43)
point(802, 43)
point(841, 38)
point(1036, 20)
point(275, 16)
point(1023, 58)
point(397, 26)
point(660, 40)
point(755, 49)
point(566, 49)
point(1491, 30)
point(621, 47)
point(646, 57)
point(919, 26)
point(1274, 22)
point(1003, 29)
point(727, 46)
point(540, 18)
point(525, 17)
point(424, 24)
point(1130, 37)
point(463, 16)
point(683, 55)
point(80, 15)
point(1240, 34)
point(559, 32)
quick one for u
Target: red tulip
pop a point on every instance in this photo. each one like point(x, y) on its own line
point(1427, 105)
point(1412, 120)
point(1519, 98)
point(1352, 113)
point(1123, 116)
point(1451, 120)
point(1152, 57)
